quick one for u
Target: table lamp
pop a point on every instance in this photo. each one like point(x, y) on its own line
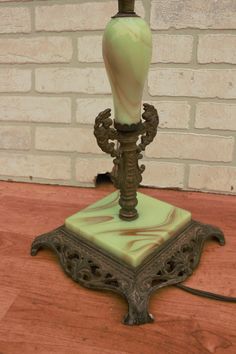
point(128, 242)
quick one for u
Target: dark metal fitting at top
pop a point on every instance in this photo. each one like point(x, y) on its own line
point(126, 6)
point(126, 9)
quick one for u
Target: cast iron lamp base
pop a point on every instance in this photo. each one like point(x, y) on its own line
point(93, 268)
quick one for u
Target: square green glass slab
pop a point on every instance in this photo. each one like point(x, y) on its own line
point(129, 241)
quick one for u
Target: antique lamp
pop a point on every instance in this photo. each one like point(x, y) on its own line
point(128, 242)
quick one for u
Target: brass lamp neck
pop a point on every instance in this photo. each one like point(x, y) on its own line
point(126, 8)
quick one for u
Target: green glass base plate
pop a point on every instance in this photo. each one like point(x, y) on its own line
point(129, 241)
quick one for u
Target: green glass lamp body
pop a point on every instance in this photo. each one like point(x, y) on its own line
point(127, 51)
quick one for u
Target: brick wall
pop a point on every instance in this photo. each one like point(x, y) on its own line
point(53, 84)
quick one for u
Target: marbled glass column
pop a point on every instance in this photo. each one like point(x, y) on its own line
point(127, 51)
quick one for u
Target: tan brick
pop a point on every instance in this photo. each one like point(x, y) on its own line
point(35, 50)
point(163, 174)
point(15, 20)
point(193, 14)
point(90, 49)
point(76, 17)
point(217, 48)
point(35, 109)
point(82, 80)
point(66, 139)
point(89, 108)
point(194, 83)
point(172, 48)
point(216, 116)
point(173, 114)
point(192, 146)
point(87, 169)
point(50, 167)
point(15, 80)
point(15, 137)
point(213, 178)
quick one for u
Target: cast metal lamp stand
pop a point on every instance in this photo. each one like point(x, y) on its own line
point(128, 242)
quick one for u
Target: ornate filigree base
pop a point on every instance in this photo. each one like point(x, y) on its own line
point(93, 268)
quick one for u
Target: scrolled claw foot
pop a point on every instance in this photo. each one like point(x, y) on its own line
point(218, 234)
point(132, 319)
point(48, 240)
point(138, 308)
point(34, 250)
point(214, 232)
point(36, 245)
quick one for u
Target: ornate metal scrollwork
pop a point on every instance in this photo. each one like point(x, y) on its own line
point(149, 130)
point(93, 268)
point(104, 133)
point(126, 174)
point(150, 125)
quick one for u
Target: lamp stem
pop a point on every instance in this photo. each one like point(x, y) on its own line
point(128, 174)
